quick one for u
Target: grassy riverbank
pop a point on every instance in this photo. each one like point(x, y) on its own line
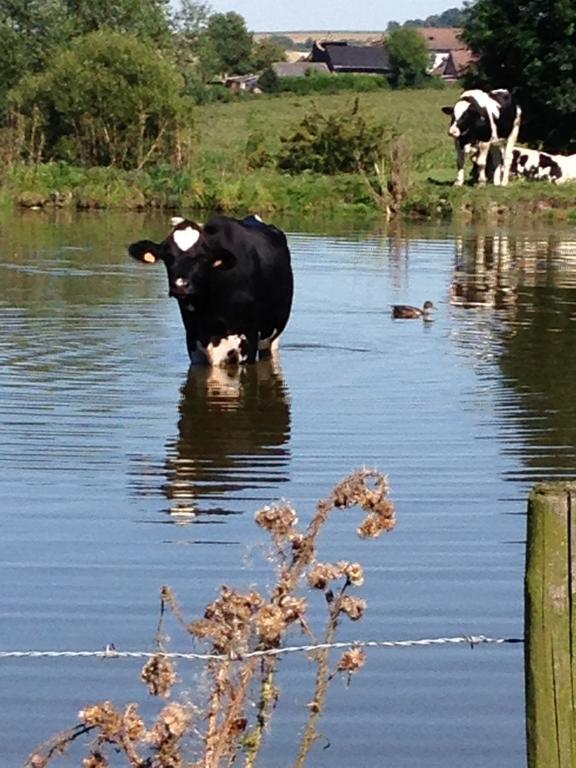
point(232, 168)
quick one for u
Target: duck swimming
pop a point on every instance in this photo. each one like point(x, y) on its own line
point(406, 312)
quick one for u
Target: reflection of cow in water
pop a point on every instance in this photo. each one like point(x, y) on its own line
point(233, 434)
point(484, 274)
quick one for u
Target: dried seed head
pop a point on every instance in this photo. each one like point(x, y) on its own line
point(351, 661)
point(353, 572)
point(159, 675)
point(270, 624)
point(293, 608)
point(375, 524)
point(132, 724)
point(365, 488)
point(353, 607)
point(279, 519)
point(322, 574)
point(172, 723)
point(103, 716)
point(227, 622)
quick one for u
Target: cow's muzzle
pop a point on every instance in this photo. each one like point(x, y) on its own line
point(180, 288)
point(454, 131)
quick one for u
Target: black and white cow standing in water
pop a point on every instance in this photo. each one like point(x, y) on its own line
point(481, 121)
point(233, 283)
point(535, 165)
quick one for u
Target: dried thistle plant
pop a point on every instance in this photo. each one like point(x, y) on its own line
point(234, 625)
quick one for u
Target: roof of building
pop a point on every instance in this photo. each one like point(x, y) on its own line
point(442, 38)
point(342, 57)
point(462, 58)
point(450, 66)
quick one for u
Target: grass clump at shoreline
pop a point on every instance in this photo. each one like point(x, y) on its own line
point(233, 167)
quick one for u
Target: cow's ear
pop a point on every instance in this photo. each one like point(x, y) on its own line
point(223, 259)
point(145, 250)
point(448, 110)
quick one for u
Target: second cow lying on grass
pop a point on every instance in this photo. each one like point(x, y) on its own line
point(535, 165)
point(233, 283)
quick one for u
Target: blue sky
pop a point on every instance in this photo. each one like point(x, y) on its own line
point(293, 15)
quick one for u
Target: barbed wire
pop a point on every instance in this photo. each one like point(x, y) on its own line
point(111, 652)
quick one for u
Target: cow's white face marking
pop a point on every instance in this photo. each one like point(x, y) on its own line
point(459, 108)
point(185, 238)
point(175, 220)
point(231, 350)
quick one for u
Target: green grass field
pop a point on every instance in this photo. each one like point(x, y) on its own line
point(231, 168)
point(224, 128)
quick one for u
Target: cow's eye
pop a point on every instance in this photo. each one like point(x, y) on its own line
point(218, 263)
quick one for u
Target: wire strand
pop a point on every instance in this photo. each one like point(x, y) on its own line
point(111, 652)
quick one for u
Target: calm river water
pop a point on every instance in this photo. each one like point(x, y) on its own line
point(122, 471)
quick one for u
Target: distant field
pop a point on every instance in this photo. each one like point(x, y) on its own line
point(331, 34)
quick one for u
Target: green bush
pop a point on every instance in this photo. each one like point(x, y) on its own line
point(269, 81)
point(109, 99)
point(341, 142)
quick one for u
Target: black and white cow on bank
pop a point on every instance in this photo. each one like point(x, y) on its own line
point(233, 283)
point(482, 121)
point(535, 165)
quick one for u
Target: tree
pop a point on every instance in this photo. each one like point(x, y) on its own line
point(453, 17)
point(409, 57)
point(231, 42)
point(269, 81)
point(141, 18)
point(191, 20)
point(30, 31)
point(107, 99)
point(266, 53)
point(529, 48)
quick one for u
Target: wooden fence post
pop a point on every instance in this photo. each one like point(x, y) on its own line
point(550, 626)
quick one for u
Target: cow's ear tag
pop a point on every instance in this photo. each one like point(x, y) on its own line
point(149, 258)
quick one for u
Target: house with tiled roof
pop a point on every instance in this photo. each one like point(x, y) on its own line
point(449, 54)
point(442, 39)
point(455, 64)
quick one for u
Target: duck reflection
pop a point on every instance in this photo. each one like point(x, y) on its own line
point(233, 434)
